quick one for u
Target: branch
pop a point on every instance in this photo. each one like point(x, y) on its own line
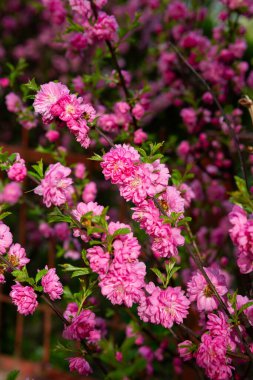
point(219, 106)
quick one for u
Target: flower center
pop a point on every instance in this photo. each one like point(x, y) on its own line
point(208, 291)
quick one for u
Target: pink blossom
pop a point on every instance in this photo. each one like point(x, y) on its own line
point(56, 187)
point(106, 27)
point(79, 214)
point(140, 136)
point(199, 290)
point(118, 356)
point(123, 283)
point(79, 365)
point(52, 135)
point(17, 256)
point(11, 193)
point(108, 122)
point(189, 117)
point(71, 311)
point(17, 171)
point(241, 301)
point(138, 111)
point(2, 278)
point(82, 7)
point(119, 163)
point(147, 214)
point(164, 307)
point(80, 170)
point(145, 181)
point(185, 350)
point(51, 284)
point(172, 200)
point(47, 96)
point(61, 231)
point(82, 327)
point(5, 238)
point(24, 298)
point(89, 192)
point(98, 259)
point(211, 356)
point(166, 240)
point(13, 102)
point(241, 235)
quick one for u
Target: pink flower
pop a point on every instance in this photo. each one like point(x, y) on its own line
point(82, 7)
point(126, 248)
point(145, 181)
point(106, 27)
point(2, 278)
point(240, 301)
point(80, 170)
point(211, 356)
point(47, 96)
point(119, 163)
point(118, 356)
point(166, 240)
point(5, 238)
point(140, 136)
point(51, 285)
point(79, 214)
point(138, 111)
point(24, 298)
point(218, 325)
point(11, 193)
point(68, 108)
point(79, 365)
point(52, 135)
point(172, 201)
point(98, 259)
point(17, 172)
point(123, 283)
point(164, 307)
point(189, 117)
point(17, 256)
point(199, 290)
point(56, 188)
point(71, 311)
point(185, 350)
point(82, 327)
point(147, 214)
point(241, 234)
point(108, 122)
point(13, 102)
point(89, 192)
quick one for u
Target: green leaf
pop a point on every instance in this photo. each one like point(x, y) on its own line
point(40, 274)
point(76, 271)
point(22, 276)
point(96, 157)
point(159, 274)
point(4, 215)
point(121, 231)
point(13, 375)
point(245, 306)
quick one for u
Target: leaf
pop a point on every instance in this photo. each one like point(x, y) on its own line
point(159, 274)
point(21, 275)
point(39, 168)
point(4, 215)
point(96, 157)
point(245, 306)
point(121, 231)
point(40, 274)
point(77, 271)
point(13, 375)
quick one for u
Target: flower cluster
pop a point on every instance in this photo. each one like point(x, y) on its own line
point(17, 171)
point(56, 187)
point(140, 182)
point(241, 235)
point(53, 101)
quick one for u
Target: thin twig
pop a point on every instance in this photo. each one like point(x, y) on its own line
point(219, 106)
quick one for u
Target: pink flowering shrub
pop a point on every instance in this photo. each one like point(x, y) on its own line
point(126, 192)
